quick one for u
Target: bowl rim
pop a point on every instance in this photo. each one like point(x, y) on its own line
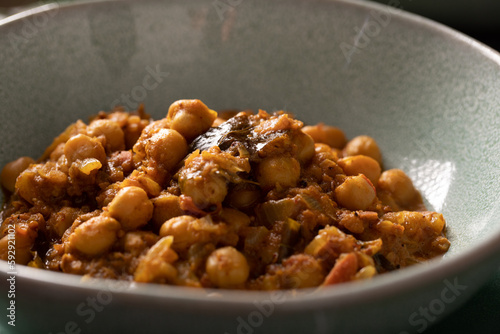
point(382, 286)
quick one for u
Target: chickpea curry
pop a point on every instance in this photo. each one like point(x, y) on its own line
point(234, 200)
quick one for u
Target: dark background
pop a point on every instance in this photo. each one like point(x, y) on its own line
point(479, 19)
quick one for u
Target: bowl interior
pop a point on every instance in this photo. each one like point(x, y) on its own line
point(428, 95)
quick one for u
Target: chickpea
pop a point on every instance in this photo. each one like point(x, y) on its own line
point(131, 207)
point(184, 231)
point(305, 147)
point(363, 145)
point(120, 117)
point(142, 134)
point(205, 176)
point(190, 117)
point(275, 171)
point(115, 138)
point(414, 221)
point(355, 193)
point(26, 184)
point(157, 266)
point(4, 248)
point(227, 267)
point(133, 131)
point(70, 131)
point(361, 164)
point(12, 170)
point(211, 189)
point(25, 229)
point(57, 152)
point(188, 230)
point(142, 180)
point(244, 195)
point(399, 186)
point(61, 220)
point(81, 147)
point(330, 135)
point(23, 254)
point(166, 206)
point(135, 242)
point(41, 181)
point(323, 151)
point(94, 236)
point(167, 148)
point(234, 218)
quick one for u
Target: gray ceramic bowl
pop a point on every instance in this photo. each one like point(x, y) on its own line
point(429, 95)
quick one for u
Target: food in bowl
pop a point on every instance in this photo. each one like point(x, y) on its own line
point(235, 200)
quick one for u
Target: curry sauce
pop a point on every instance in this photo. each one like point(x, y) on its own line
point(235, 200)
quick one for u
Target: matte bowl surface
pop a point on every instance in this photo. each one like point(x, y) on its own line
point(427, 94)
